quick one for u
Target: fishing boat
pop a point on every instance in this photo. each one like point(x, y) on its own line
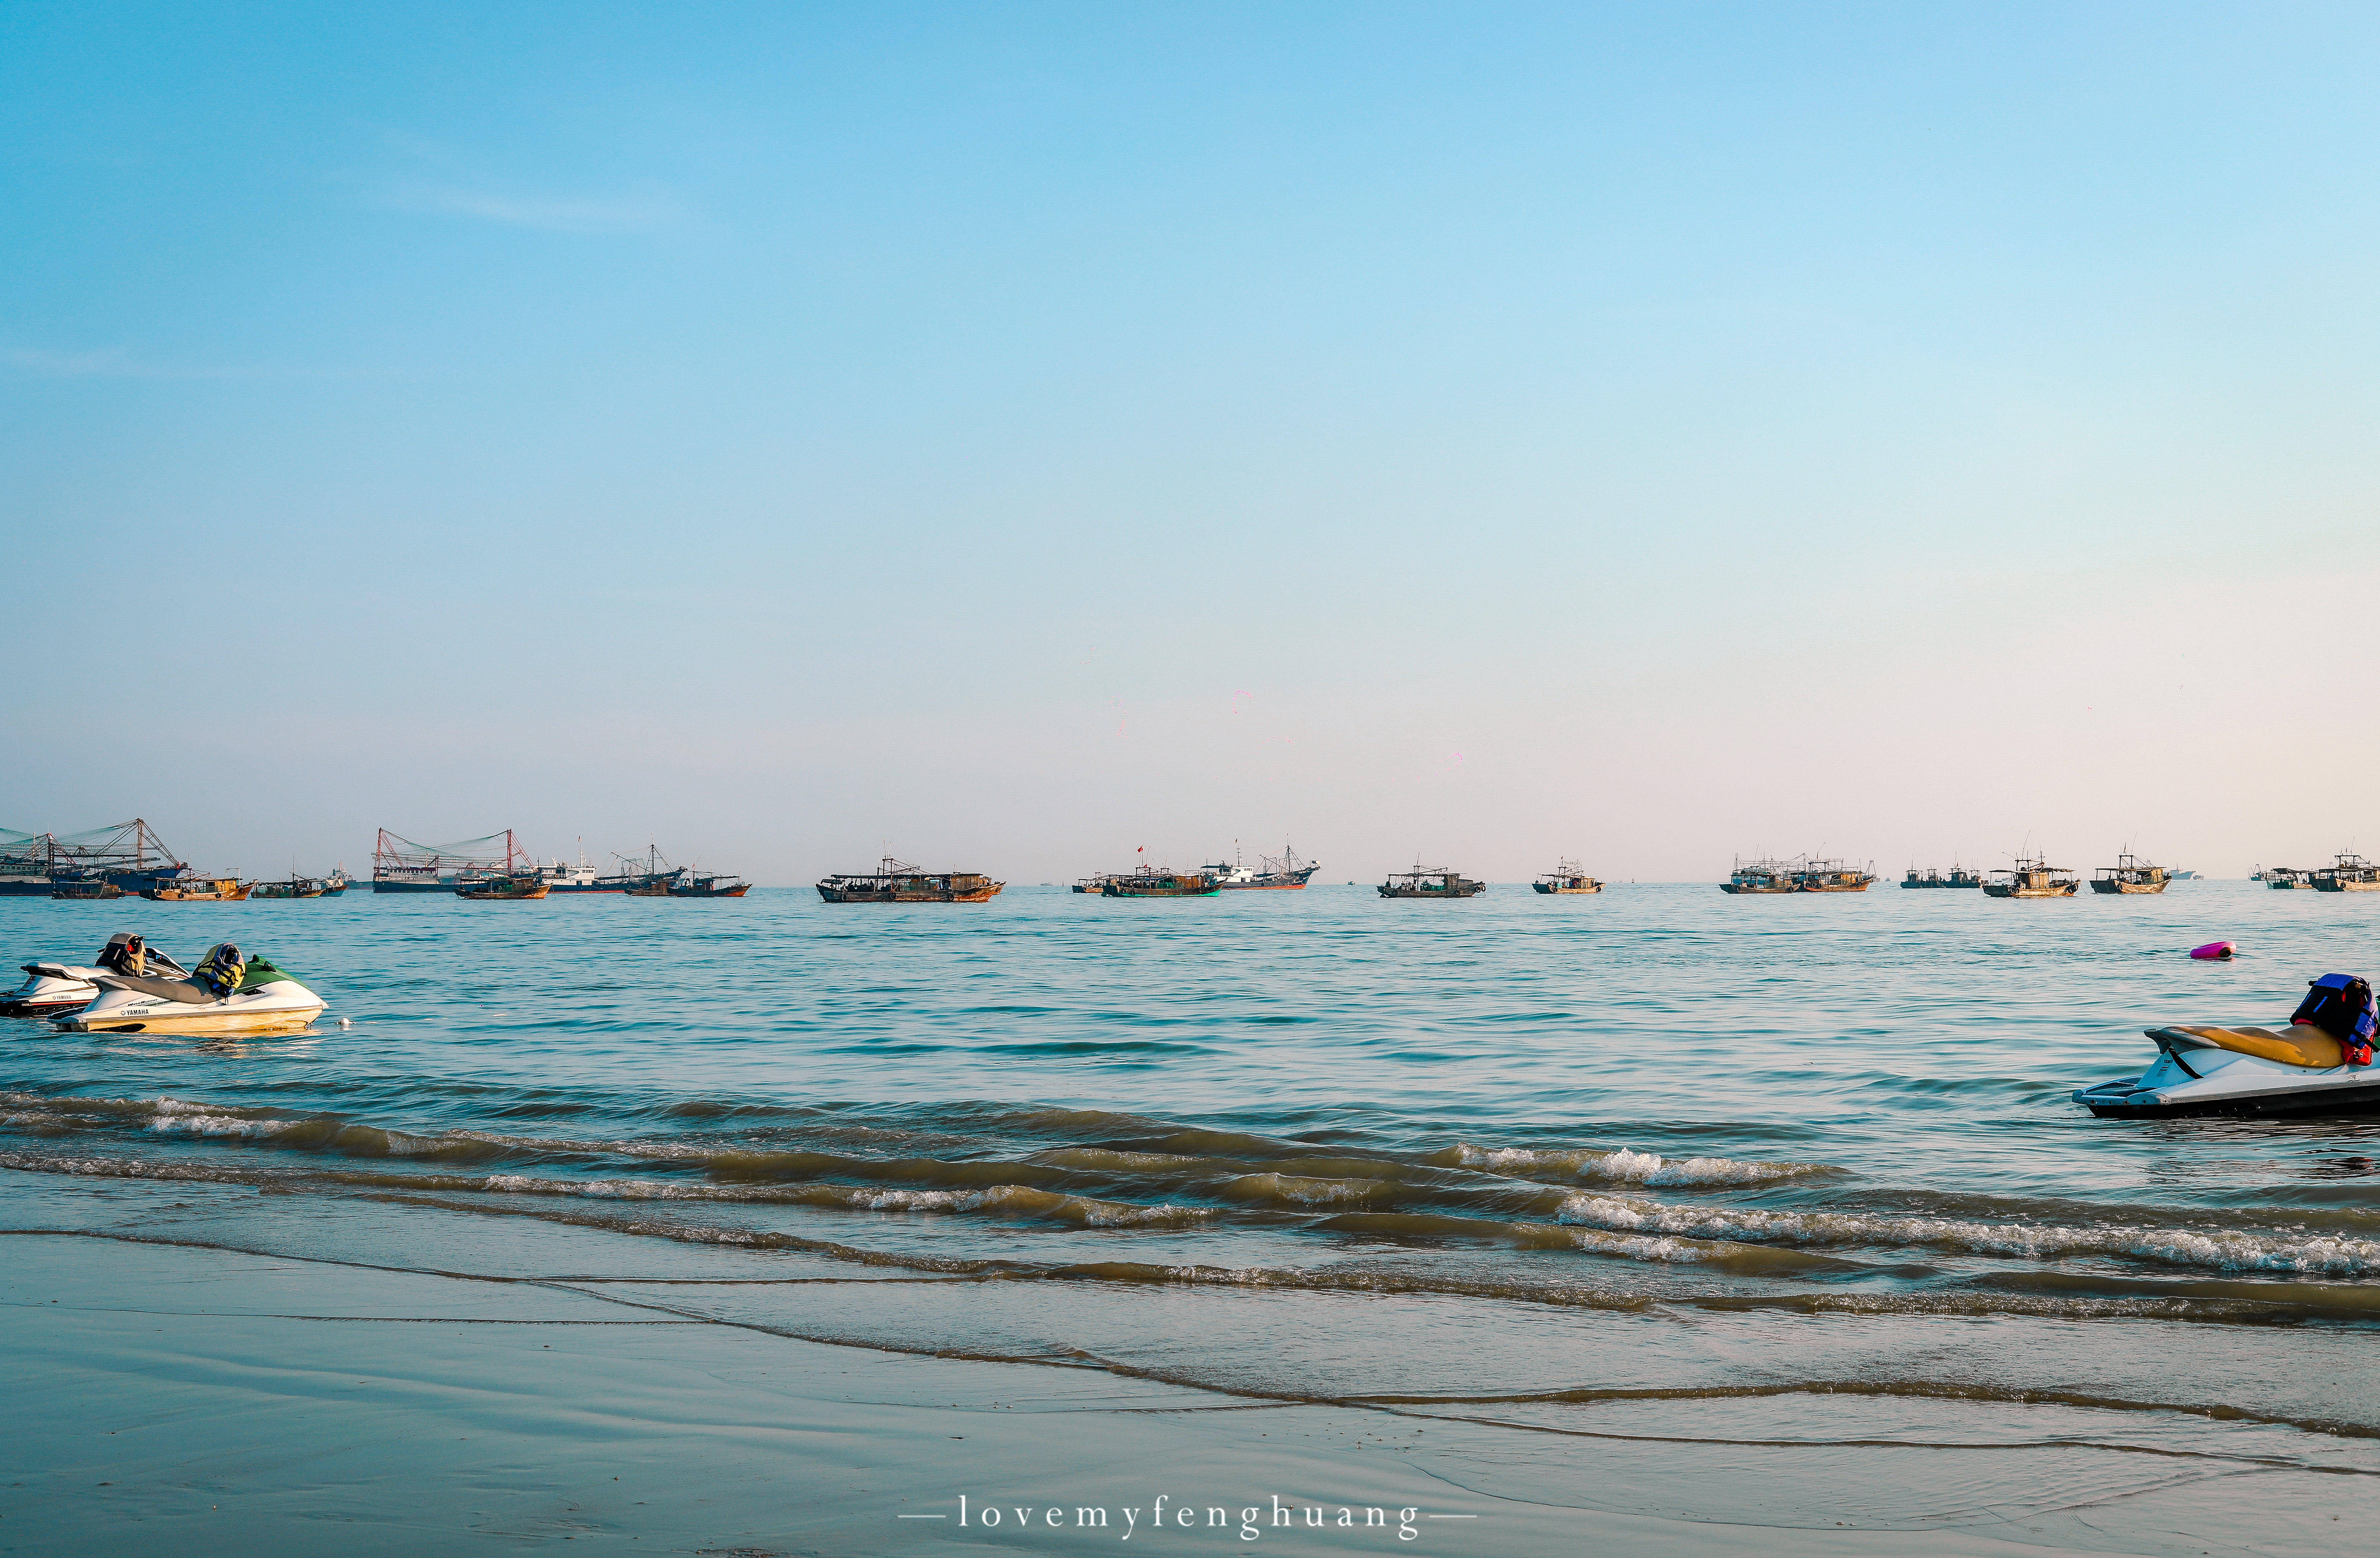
point(1568, 876)
point(129, 856)
point(897, 881)
point(1159, 882)
point(2287, 879)
point(1831, 876)
point(295, 887)
point(2129, 874)
point(697, 885)
point(653, 879)
point(560, 876)
point(399, 865)
point(2348, 873)
point(2032, 876)
point(198, 890)
point(1957, 876)
point(336, 882)
point(1760, 876)
point(1435, 882)
point(1094, 886)
point(520, 888)
point(86, 890)
point(1274, 872)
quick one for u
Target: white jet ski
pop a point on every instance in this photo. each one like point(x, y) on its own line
point(2321, 1064)
point(51, 989)
point(229, 994)
point(2237, 1071)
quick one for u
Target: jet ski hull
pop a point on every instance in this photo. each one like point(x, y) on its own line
point(2198, 1077)
point(50, 991)
point(281, 1006)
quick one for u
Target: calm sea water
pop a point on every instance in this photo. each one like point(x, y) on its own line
point(1660, 1162)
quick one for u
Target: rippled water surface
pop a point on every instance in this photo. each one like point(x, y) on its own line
point(1660, 1151)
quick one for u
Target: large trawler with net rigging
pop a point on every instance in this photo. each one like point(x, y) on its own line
point(127, 855)
point(897, 881)
point(399, 865)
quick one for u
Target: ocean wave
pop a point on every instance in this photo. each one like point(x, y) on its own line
point(2228, 1249)
point(219, 1125)
point(1291, 1190)
point(1624, 1165)
point(996, 1200)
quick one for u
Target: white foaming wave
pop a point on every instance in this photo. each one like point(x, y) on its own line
point(2220, 1249)
point(1628, 1166)
point(219, 1124)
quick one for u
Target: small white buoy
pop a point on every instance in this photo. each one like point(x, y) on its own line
point(347, 1022)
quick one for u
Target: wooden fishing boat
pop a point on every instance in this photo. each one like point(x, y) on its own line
point(2348, 873)
point(1830, 876)
point(1760, 877)
point(198, 890)
point(1159, 882)
point(2287, 879)
point(295, 887)
point(1568, 876)
point(2032, 876)
point(86, 890)
point(2129, 874)
point(897, 881)
point(1434, 882)
point(520, 887)
point(694, 887)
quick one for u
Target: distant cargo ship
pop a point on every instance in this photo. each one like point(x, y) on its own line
point(1275, 871)
point(897, 881)
point(1957, 876)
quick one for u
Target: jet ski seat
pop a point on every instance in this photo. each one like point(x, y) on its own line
point(164, 990)
point(2301, 1045)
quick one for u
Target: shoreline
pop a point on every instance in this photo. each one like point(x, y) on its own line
point(269, 1400)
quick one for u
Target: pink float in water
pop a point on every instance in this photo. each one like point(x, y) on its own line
point(2213, 949)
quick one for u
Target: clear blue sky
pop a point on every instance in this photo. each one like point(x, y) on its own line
point(1018, 433)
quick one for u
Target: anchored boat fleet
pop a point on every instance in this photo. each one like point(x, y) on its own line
point(2320, 1063)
